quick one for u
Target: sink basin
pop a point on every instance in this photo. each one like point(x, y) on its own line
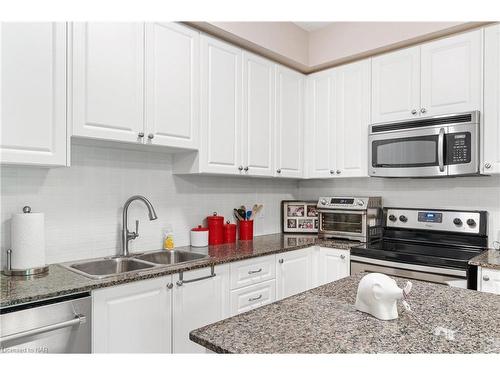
point(109, 267)
point(171, 257)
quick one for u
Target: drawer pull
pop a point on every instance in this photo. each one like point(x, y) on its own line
point(255, 298)
point(486, 278)
point(256, 271)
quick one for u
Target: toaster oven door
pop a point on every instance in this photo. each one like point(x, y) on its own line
point(343, 224)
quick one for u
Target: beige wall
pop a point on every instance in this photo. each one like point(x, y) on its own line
point(345, 39)
point(338, 43)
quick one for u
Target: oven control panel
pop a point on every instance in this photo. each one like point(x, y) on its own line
point(441, 220)
point(349, 203)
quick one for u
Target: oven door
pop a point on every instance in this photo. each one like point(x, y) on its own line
point(408, 153)
point(456, 278)
point(342, 224)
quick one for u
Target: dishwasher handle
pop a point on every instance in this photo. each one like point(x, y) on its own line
point(77, 320)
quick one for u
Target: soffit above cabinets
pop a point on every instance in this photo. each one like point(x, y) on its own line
point(312, 26)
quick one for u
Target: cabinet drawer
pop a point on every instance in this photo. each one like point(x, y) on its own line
point(253, 296)
point(252, 271)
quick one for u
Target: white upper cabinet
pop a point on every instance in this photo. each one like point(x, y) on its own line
point(172, 85)
point(108, 80)
point(352, 112)
point(133, 318)
point(452, 74)
point(220, 106)
point(320, 130)
point(257, 134)
point(491, 114)
point(202, 298)
point(289, 122)
point(396, 85)
point(33, 97)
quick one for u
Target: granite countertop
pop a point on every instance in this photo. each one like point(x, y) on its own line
point(60, 281)
point(489, 259)
point(324, 320)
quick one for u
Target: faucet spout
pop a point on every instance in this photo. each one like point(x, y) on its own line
point(126, 234)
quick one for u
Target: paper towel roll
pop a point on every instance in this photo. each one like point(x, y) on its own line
point(28, 240)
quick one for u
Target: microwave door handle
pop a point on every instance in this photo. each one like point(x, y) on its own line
point(441, 150)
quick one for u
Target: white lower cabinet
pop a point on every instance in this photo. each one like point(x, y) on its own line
point(488, 280)
point(198, 300)
point(253, 296)
point(133, 318)
point(330, 265)
point(293, 272)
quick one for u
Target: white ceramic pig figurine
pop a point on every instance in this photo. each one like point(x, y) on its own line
point(378, 295)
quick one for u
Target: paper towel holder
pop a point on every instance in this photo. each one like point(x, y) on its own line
point(9, 271)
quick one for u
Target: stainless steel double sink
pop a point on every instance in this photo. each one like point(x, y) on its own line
point(114, 266)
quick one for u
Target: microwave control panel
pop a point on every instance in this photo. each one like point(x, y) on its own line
point(458, 148)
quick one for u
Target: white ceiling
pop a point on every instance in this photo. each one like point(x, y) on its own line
point(312, 26)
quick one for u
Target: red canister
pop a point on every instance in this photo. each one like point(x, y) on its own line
point(246, 230)
point(215, 229)
point(229, 233)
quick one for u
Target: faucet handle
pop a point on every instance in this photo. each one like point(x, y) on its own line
point(136, 233)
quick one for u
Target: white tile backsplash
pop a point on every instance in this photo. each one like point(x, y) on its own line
point(83, 203)
point(469, 193)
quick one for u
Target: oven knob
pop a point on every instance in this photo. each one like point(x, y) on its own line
point(403, 218)
point(471, 222)
point(323, 202)
point(360, 202)
point(457, 221)
point(392, 218)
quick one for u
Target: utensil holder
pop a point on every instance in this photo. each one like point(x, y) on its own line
point(246, 230)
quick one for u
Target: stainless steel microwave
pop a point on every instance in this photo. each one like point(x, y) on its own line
point(439, 146)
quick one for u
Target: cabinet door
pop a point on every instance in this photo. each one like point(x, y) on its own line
point(490, 281)
point(172, 85)
point(352, 111)
point(451, 74)
point(33, 97)
point(202, 299)
point(258, 115)
point(293, 272)
point(289, 122)
point(220, 106)
point(133, 318)
point(320, 137)
point(108, 80)
point(396, 85)
point(333, 264)
point(491, 114)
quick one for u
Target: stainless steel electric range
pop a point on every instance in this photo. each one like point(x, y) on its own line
point(426, 244)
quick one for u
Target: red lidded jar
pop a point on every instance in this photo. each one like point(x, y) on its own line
point(229, 233)
point(215, 229)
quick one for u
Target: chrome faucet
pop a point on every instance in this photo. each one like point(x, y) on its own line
point(126, 234)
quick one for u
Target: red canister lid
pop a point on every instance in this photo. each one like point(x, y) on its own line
point(215, 217)
point(199, 229)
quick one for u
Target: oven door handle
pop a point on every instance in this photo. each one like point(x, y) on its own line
point(441, 150)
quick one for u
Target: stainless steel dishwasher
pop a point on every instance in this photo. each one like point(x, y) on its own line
point(61, 325)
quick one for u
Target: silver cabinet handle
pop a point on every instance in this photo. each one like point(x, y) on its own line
point(280, 261)
point(332, 171)
point(255, 298)
point(423, 110)
point(414, 112)
point(256, 271)
point(170, 286)
point(441, 150)
point(240, 168)
point(342, 256)
point(246, 169)
point(278, 170)
point(486, 278)
point(151, 135)
point(338, 171)
point(77, 320)
point(487, 165)
point(181, 281)
point(140, 135)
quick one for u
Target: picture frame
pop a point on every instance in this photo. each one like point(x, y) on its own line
point(299, 217)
